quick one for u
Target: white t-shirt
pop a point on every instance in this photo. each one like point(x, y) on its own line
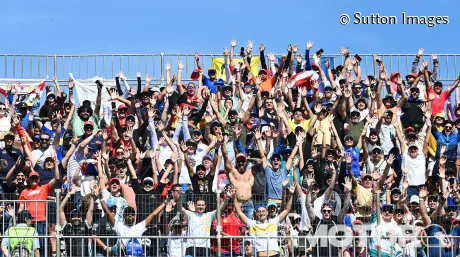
point(415, 168)
point(304, 219)
point(5, 124)
point(199, 225)
point(263, 230)
point(320, 200)
point(39, 154)
point(381, 165)
point(385, 137)
point(176, 246)
point(131, 245)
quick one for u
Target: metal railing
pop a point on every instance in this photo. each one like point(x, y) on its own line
point(29, 66)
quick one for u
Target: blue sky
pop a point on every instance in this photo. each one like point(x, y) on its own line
point(70, 27)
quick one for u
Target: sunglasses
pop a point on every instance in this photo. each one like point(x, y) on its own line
point(2, 109)
point(448, 127)
point(376, 152)
point(298, 113)
point(388, 209)
point(148, 184)
point(44, 139)
point(327, 211)
point(367, 178)
point(355, 115)
point(49, 161)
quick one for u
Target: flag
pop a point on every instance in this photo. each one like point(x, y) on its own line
point(24, 88)
point(86, 89)
point(304, 79)
point(219, 65)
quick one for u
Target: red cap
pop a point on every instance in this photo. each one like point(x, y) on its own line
point(313, 64)
point(357, 222)
point(410, 129)
point(413, 75)
point(121, 106)
point(394, 74)
point(241, 155)
point(114, 180)
point(88, 122)
point(34, 173)
point(195, 74)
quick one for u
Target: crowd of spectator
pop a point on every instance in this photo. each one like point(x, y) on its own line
point(264, 160)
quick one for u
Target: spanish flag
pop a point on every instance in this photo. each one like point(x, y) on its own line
point(218, 64)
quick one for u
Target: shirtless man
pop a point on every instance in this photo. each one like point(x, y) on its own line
point(241, 178)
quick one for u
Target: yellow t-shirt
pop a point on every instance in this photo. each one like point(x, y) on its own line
point(305, 124)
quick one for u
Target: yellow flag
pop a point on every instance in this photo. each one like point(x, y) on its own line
point(218, 64)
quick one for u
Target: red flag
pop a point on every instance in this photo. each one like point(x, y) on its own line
point(3, 92)
point(304, 79)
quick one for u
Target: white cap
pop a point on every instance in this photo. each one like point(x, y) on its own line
point(414, 199)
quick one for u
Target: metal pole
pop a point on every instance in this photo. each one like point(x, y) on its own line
point(58, 225)
point(377, 202)
point(162, 67)
point(55, 66)
point(219, 226)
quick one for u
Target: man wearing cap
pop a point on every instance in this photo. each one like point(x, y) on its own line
point(38, 210)
point(387, 131)
point(376, 161)
point(447, 139)
point(412, 111)
point(263, 227)
point(443, 237)
point(413, 159)
point(84, 114)
point(386, 234)
point(28, 245)
point(75, 227)
point(274, 173)
point(355, 125)
point(46, 149)
point(361, 106)
point(131, 244)
point(8, 155)
point(438, 97)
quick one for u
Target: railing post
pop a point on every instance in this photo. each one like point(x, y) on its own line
point(54, 66)
point(219, 225)
point(162, 67)
point(58, 225)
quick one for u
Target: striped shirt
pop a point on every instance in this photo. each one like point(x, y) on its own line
point(73, 165)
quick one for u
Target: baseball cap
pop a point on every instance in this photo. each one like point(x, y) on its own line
point(148, 179)
point(191, 142)
point(271, 203)
point(414, 199)
point(411, 75)
point(50, 93)
point(200, 167)
point(395, 191)
point(196, 131)
point(241, 155)
point(25, 214)
point(122, 106)
point(114, 180)
point(89, 122)
point(22, 105)
point(74, 213)
point(348, 137)
point(394, 74)
point(34, 174)
point(129, 210)
point(207, 157)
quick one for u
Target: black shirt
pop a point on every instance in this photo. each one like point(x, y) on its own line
point(8, 157)
point(77, 246)
point(146, 202)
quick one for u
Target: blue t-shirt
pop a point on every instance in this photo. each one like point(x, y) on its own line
point(435, 234)
point(274, 182)
point(355, 160)
point(8, 158)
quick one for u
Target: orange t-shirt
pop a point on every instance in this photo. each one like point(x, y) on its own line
point(37, 209)
point(267, 85)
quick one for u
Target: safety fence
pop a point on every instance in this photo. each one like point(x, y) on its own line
point(84, 66)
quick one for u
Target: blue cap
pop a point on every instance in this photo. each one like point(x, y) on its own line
point(261, 206)
point(74, 212)
point(328, 86)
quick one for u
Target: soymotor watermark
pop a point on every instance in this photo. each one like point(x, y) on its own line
point(342, 236)
point(404, 19)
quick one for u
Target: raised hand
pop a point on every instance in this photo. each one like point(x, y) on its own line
point(183, 147)
point(271, 57)
point(348, 158)
point(148, 79)
point(309, 45)
point(261, 47)
point(261, 112)
point(434, 57)
point(191, 206)
point(233, 43)
point(225, 51)
point(344, 51)
point(285, 182)
point(327, 63)
point(299, 58)
point(289, 48)
point(391, 159)
point(180, 65)
point(250, 45)
point(423, 192)
point(406, 184)
point(292, 188)
point(443, 149)
point(257, 134)
point(73, 190)
point(197, 57)
point(185, 111)
point(347, 185)
point(71, 83)
point(420, 51)
point(296, 48)
point(113, 94)
point(138, 74)
point(168, 67)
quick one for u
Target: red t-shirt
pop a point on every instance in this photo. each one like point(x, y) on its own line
point(437, 105)
point(231, 226)
point(37, 209)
